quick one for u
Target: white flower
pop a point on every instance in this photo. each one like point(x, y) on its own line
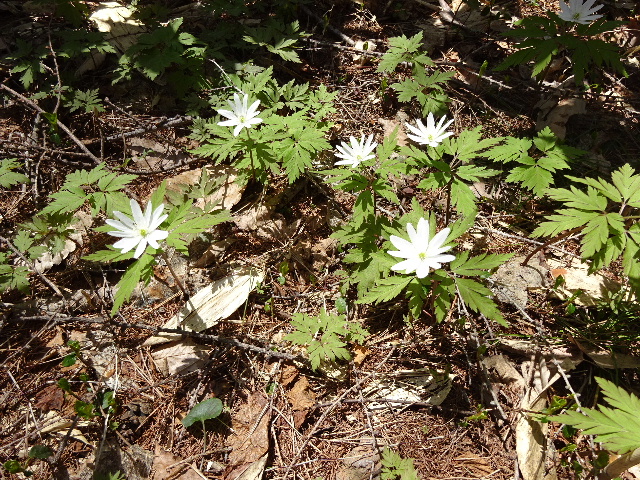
point(579, 11)
point(358, 152)
point(240, 115)
point(421, 252)
point(139, 231)
point(432, 134)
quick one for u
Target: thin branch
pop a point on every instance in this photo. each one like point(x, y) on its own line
point(31, 263)
point(62, 126)
point(186, 333)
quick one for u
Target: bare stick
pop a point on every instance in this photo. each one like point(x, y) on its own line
point(62, 126)
point(198, 336)
point(32, 265)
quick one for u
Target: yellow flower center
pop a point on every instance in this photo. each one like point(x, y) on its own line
point(143, 232)
point(422, 255)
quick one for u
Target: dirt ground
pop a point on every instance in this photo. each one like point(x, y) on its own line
point(453, 396)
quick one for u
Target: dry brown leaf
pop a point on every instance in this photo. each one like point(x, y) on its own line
point(213, 253)
point(389, 125)
point(57, 340)
point(288, 375)
point(253, 217)
point(229, 193)
point(556, 113)
point(359, 463)
point(512, 281)
point(50, 398)
point(605, 359)
point(255, 470)
point(531, 435)
point(167, 466)
point(359, 354)
point(506, 371)
point(302, 399)
point(250, 438)
point(180, 356)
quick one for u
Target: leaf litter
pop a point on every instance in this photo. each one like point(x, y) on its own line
point(258, 434)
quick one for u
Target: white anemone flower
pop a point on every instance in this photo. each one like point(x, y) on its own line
point(579, 11)
point(139, 231)
point(241, 116)
point(421, 252)
point(357, 152)
point(432, 134)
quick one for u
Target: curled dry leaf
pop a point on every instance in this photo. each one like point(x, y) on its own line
point(420, 385)
point(302, 399)
point(556, 113)
point(211, 304)
point(183, 355)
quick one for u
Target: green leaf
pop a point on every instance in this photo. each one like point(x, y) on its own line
point(203, 411)
point(40, 451)
point(84, 409)
point(8, 177)
point(13, 466)
point(477, 297)
point(141, 269)
point(386, 289)
point(478, 265)
point(403, 49)
point(325, 336)
point(618, 428)
point(395, 467)
point(69, 360)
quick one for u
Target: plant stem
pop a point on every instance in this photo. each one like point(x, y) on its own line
point(253, 170)
point(204, 444)
point(549, 242)
point(176, 278)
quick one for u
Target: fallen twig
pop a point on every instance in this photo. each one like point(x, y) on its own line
point(198, 336)
point(62, 126)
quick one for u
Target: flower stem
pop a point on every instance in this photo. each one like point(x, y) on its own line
point(176, 278)
point(253, 170)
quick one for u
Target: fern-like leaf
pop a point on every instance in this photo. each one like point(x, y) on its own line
point(618, 428)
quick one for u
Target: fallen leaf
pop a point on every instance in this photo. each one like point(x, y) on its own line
point(167, 466)
point(421, 385)
point(606, 359)
point(54, 423)
point(253, 218)
point(213, 253)
point(210, 305)
point(50, 398)
point(302, 399)
point(226, 196)
point(512, 281)
point(255, 470)
point(250, 438)
point(531, 435)
point(577, 280)
point(288, 375)
point(506, 372)
point(359, 463)
point(183, 355)
point(556, 113)
point(359, 354)
point(390, 124)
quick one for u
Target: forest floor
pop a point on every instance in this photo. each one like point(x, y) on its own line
point(455, 391)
